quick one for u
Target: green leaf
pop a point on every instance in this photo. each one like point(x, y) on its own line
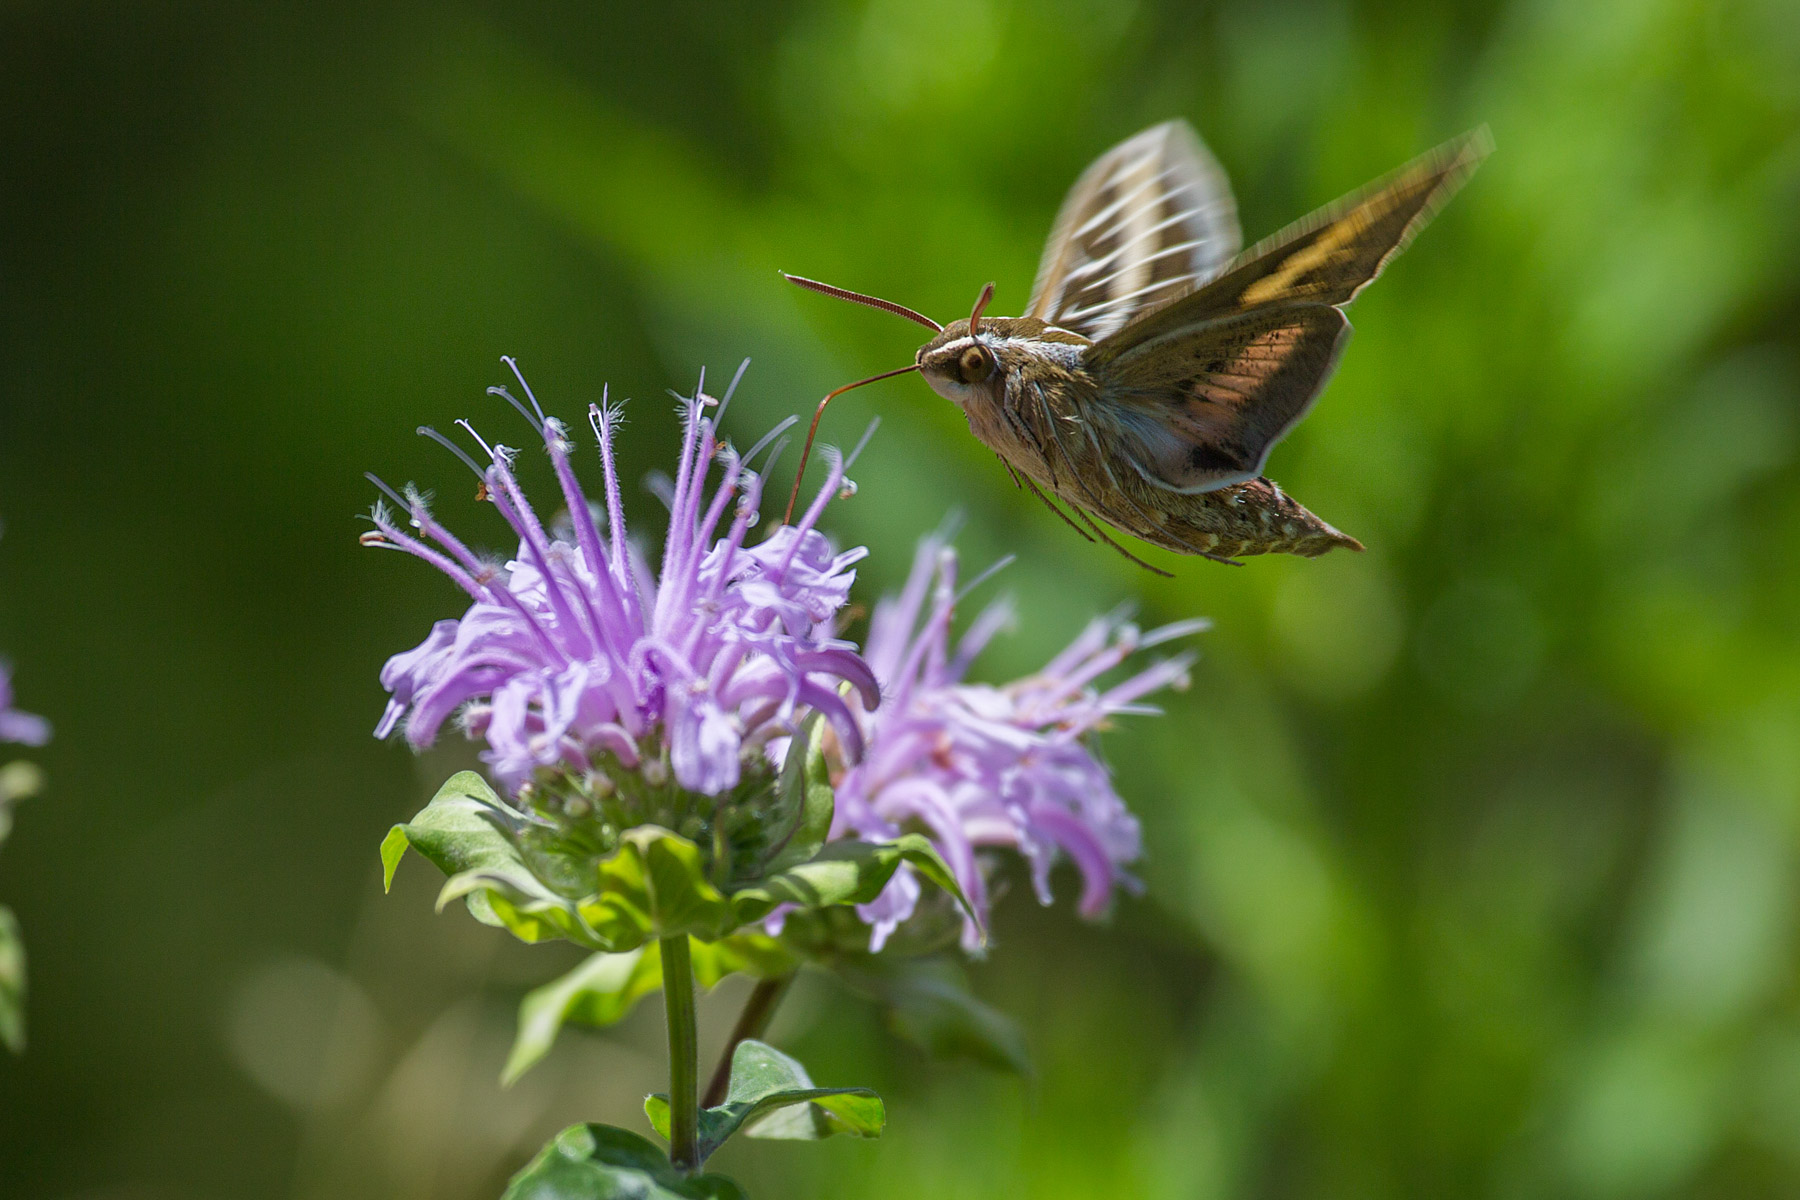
point(495, 900)
point(600, 991)
point(599, 1162)
point(748, 952)
point(681, 899)
point(772, 1095)
point(459, 832)
point(12, 983)
point(927, 1002)
point(847, 871)
point(918, 852)
point(393, 849)
point(606, 987)
point(455, 830)
point(655, 885)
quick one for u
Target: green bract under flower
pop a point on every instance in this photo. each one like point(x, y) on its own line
point(563, 868)
point(571, 822)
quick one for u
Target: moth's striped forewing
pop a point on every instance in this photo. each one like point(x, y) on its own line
point(1208, 382)
point(1148, 221)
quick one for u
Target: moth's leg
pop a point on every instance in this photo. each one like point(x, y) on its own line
point(1128, 554)
point(1043, 440)
point(1151, 520)
point(1020, 431)
point(1050, 438)
point(1059, 512)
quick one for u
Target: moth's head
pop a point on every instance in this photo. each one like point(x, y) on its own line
point(961, 366)
point(964, 357)
point(956, 364)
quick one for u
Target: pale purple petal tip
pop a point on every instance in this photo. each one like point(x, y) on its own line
point(22, 728)
point(26, 729)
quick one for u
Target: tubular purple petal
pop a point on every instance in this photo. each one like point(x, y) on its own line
point(1076, 838)
point(837, 714)
point(999, 767)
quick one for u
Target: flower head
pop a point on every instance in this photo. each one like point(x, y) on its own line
point(976, 766)
point(25, 728)
point(576, 651)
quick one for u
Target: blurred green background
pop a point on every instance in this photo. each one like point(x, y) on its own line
point(1473, 861)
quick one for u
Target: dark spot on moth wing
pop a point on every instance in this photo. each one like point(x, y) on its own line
point(1219, 460)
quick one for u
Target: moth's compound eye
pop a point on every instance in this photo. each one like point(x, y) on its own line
point(976, 364)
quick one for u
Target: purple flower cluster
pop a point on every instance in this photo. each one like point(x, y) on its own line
point(27, 729)
point(975, 766)
point(575, 655)
point(575, 649)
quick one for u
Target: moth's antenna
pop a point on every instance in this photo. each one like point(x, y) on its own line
point(981, 303)
point(899, 310)
point(806, 450)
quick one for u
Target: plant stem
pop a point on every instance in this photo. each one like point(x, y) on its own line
point(758, 1010)
point(684, 1053)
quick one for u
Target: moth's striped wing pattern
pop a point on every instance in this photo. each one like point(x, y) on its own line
point(1148, 221)
point(1208, 382)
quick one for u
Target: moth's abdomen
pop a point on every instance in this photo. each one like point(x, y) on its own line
point(1233, 522)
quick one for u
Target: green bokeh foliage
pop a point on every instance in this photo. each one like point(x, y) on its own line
point(1472, 861)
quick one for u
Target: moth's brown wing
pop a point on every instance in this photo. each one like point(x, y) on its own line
point(1326, 258)
point(1149, 220)
point(1204, 411)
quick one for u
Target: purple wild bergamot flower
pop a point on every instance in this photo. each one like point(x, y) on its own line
point(576, 651)
point(976, 766)
point(27, 729)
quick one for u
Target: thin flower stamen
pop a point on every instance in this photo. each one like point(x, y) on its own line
point(512, 364)
point(468, 461)
point(606, 420)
